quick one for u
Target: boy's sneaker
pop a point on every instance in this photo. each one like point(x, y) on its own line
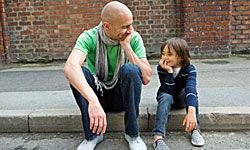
point(90, 145)
point(160, 145)
point(135, 143)
point(196, 138)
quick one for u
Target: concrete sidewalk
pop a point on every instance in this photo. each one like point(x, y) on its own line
point(38, 99)
point(232, 140)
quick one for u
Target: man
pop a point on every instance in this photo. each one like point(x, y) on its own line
point(109, 83)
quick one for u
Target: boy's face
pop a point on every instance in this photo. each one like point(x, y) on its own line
point(170, 57)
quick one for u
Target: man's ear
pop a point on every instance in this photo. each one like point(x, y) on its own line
point(106, 25)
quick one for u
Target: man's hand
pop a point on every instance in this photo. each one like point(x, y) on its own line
point(97, 116)
point(74, 74)
point(164, 65)
point(125, 44)
point(190, 119)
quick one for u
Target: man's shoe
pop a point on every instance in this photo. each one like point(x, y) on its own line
point(196, 138)
point(135, 143)
point(90, 145)
point(160, 145)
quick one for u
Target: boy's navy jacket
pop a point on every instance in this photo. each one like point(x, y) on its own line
point(186, 79)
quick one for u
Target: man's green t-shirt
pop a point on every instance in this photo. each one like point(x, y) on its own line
point(86, 42)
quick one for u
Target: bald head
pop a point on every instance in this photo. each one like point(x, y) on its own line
point(114, 10)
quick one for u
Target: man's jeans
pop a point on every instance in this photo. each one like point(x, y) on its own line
point(165, 102)
point(125, 96)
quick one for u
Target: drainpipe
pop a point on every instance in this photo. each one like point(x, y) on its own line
point(180, 18)
point(4, 57)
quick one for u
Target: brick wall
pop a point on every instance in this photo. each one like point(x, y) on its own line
point(27, 30)
point(45, 30)
point(241, 26)
point(206, 26)
point(155, 21)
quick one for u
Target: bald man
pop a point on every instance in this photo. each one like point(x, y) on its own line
point(112, 82)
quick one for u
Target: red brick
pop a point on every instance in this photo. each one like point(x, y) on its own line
point(38, 22)
point(242, 8)
point(246, 32)
point(12, 14)
point(242, 27)
point(76, 16)
point(38, 13)
point(23, 13)
point(142, 8)
point(13, 24)
point(247, 41)
point(241, 36)
point(24, 23)
point(246, 22)
point(236, 32)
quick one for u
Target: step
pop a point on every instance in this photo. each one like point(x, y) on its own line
point(69, 120)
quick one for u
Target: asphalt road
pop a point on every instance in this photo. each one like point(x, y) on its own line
point(114, 141)
point(220, 82)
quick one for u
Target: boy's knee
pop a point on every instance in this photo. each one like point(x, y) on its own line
point(165, 98)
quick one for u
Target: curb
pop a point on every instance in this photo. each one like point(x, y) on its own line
point(69, 120)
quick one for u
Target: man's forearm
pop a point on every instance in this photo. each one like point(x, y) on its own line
point(141, 63)
point(76, 78)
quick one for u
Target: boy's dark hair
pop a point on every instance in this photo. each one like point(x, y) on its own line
point(181, 48)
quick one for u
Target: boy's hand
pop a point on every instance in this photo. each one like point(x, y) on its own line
point(190, 119)
point(164, 65)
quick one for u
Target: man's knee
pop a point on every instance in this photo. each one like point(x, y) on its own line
point(88, 76)
point(85, 71)
point(130, 71)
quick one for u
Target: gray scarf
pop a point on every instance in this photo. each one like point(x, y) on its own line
point(101, 65)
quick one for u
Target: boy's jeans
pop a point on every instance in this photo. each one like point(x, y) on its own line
point(125, 96)
point(165, 102)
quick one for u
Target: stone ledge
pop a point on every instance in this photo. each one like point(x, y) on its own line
point(14, 120)
point(69, 120)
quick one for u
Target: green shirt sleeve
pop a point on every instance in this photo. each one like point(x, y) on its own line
point(138, 45)
point(85, 41)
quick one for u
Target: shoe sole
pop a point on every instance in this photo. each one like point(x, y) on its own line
point(197, 145)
